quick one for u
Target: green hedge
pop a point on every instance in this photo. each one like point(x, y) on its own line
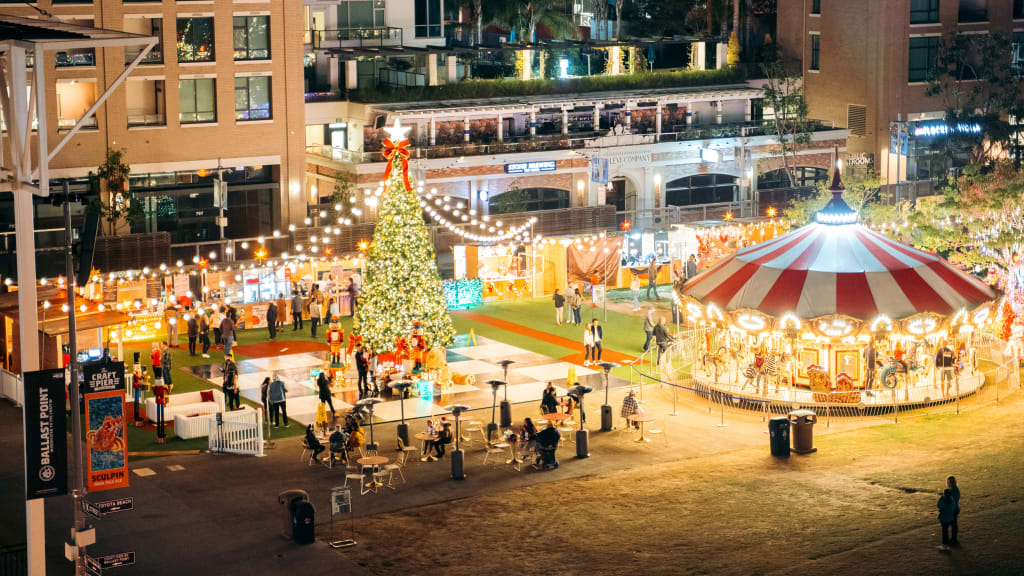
point(505, 87)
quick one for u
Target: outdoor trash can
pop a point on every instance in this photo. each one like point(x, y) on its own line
point(303, 523)
point(803, 431)
point(778, 432)
point(288, 499)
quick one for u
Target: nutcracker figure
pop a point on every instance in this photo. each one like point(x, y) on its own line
point(417, 347)
point(335, 339)
point(138, 377)
point(161, 392)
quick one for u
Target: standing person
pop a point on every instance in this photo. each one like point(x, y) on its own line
point(264, 390)
point(204, 333)
point(870, 360)
point(662, 338)
point(332, 308)
point(215, 320)
point(272, 319)
point(652, 278)
point(323, 386)
point(559, 307)
point(314, 315)
point(634, 288)
point(165, 364)
point(954, 491)
point(598, 334)
point(230, 384)
point(428, 431)
point(193, 332)
point(154, 360)
point(171, 319)
point(371, 367)
point(356, 288)
point(945, 361)
point(577, 304)
point(649, 324)
point(588, 344)
point(296, 311)
point(947, 516)
point(362, 367)
point(691, 267)
point(276, 394)
point(282, 311)
point(227, 332)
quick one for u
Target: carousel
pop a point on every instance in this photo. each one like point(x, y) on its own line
point(835, 313)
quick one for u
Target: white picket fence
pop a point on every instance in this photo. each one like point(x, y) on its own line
point(11, 388)
point(240, 432)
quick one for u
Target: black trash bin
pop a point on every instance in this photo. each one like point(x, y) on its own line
point(288, 499)
point(778, 432)
point(303, 522)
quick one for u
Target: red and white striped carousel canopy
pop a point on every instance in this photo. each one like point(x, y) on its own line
point(822, 269)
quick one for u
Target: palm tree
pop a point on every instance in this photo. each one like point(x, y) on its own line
point(476, 17)
point(524, 16)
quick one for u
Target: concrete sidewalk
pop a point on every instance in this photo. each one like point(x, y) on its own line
point(218, 513)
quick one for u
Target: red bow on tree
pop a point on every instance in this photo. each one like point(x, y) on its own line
point(402, 150)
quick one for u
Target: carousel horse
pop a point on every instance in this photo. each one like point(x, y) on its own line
point(897, 368)
point(762, 368)
point(717, 361)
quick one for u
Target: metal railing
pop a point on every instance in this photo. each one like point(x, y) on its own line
point(391, 77)
point(11, 388)
point(361, 36)
point(14, 560)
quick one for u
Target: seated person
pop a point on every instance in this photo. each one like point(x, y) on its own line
point(529, 433)
point(313, 443)
point(444, 437)
point(549, 402)
point(355, 437)
point(630, 408)
point(547, 442)
point(339, 444)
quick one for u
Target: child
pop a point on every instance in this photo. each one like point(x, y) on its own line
point(947, 516)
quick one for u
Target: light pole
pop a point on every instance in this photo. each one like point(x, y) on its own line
point(403, 429)
point(458, 456)
point(492, 428)
point(369, 403)
point(606, 408)
point(582, 435)
point(506, 406)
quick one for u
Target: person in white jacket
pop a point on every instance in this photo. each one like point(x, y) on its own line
point(588, 343)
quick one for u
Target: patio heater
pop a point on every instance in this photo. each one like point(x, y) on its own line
point(506, 406)
point(582, 435)
point(458, 456)
point(606, 408)
point(492, 428)
point(369, 403)
point(401, 386)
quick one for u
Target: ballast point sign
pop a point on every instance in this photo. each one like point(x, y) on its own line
point(530, 167)
point(46, 448)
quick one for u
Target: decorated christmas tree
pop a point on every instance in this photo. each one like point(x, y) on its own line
point(401, 281)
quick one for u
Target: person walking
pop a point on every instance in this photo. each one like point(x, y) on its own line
point(277, 397)
point(272, 319)
point(954, 491)
point(171, 319)
point(634, 288)
point(323, 386)
point(362, 368)
point(282, 311)
point(652, 278)
point(230, 383)
point(691, 267)
point(193, 332)
point(947, 516)
point(296, 311)
point(597, 334)
point(559, 307)
point(264, 391)
point(649, 323)
point(227, 332)
point(662, 338)
point(577, 305)
point(215, 320)
point(314, 315)
point(588, 344)
point(165, 364)
point(204, 333)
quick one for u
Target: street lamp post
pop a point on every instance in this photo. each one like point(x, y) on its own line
point(506, 406)
point(458, 456)
point(606, 408)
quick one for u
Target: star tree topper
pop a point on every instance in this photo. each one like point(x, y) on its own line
point(397, 132)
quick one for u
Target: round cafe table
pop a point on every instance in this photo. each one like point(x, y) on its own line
point(556, 417)
point(423, 437)
point(641, 420)
point(373, 462)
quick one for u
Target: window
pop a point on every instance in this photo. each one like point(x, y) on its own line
point(195, 39)
point(973, 11)
point(197, 99)
point(1018, 9)
point(528, 200)
point(361, 14)
point(924, 11)
point(145, 27)
point(700, 189)
point(71, 57)
point(74, 98)
point(252, 37)
point(145, 102)
point(804, 176)
point(857, 119)
point(815, 6)
point(923, 52)
point(428, 18)
point(252, 98)
point(815, 51)
point(1017, 58)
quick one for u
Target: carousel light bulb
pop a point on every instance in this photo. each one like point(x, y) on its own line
point(277, 233)
point(82, 308)
point(46, 305)
point(245, 245)
point(323, 213)
point(259, 239)
point(180, 263)
point(64, 308)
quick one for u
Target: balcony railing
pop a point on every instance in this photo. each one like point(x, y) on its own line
point(143, 118)
point(76, 57)
point(518, 144)
point(347, 37)
point(389, 77)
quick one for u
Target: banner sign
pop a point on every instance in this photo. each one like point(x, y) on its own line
point(46, 444)
point(98, 509)
point(341, 500)
point(531, 167)
point(106, 444)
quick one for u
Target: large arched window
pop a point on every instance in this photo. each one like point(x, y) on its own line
point(528, 200)
point(700, 189)
point(805, 176)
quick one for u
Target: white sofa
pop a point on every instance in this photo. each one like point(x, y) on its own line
point(186, 404)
